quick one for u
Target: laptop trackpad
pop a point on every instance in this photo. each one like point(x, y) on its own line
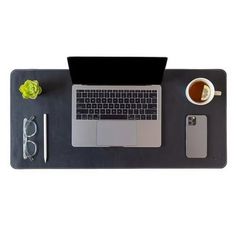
point(116, 133)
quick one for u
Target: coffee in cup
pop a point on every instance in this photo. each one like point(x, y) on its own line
point(201, 91)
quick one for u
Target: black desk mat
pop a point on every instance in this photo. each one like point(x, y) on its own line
point(56, 102)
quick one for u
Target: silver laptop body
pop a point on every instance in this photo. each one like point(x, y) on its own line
point(116, 115)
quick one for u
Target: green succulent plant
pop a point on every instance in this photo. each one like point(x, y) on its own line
point(30, 89)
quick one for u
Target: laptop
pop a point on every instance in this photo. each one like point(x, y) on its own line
point(116, 101)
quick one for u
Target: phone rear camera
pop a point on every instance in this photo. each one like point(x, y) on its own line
point(192, 120)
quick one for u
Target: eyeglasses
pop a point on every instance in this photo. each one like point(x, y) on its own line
point(29, 146)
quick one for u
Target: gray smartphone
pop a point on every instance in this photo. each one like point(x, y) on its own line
point(196, 136)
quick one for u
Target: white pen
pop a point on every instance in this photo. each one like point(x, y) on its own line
point(45, 137)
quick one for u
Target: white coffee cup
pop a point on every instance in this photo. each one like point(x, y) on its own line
point(212, 91)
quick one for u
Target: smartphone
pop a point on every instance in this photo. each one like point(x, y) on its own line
point(196, 136)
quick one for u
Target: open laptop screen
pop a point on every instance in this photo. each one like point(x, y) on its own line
point(117, 70)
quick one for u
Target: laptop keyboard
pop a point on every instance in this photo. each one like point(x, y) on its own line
point(116, 105)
